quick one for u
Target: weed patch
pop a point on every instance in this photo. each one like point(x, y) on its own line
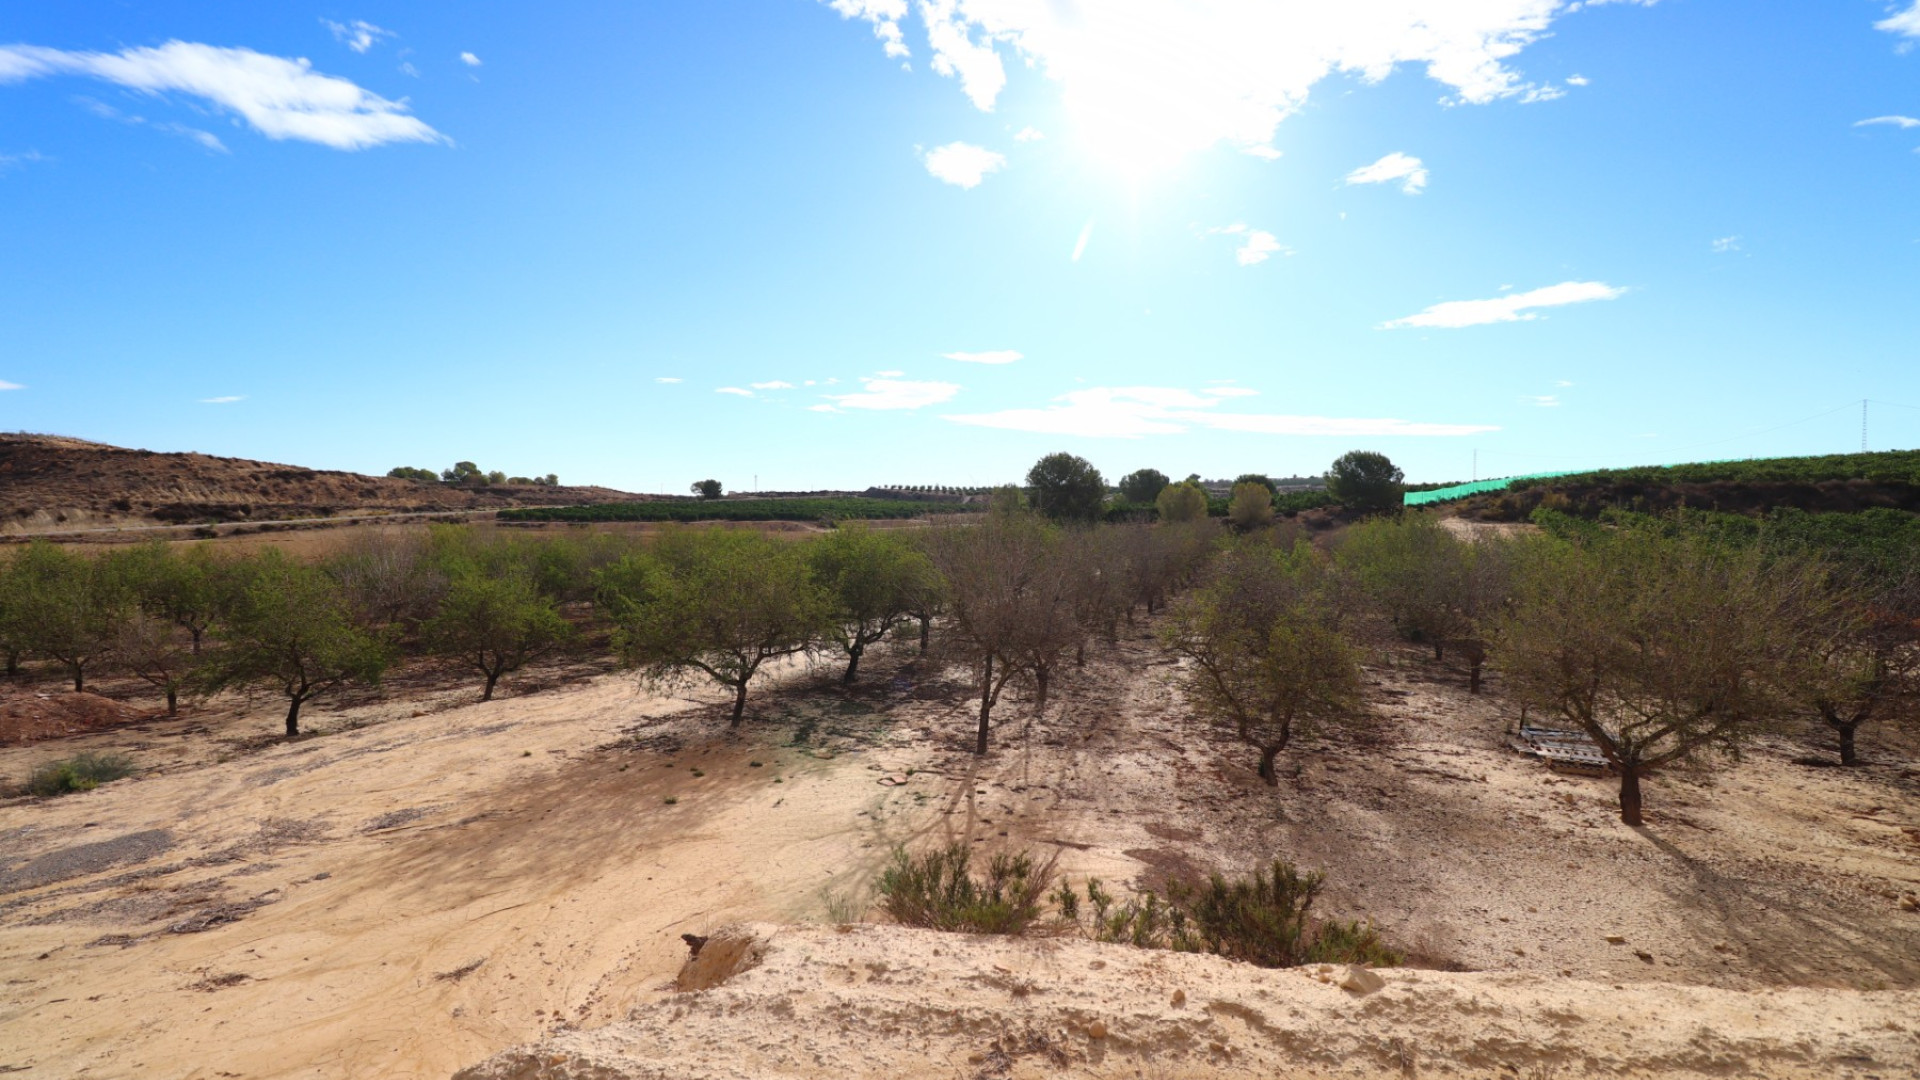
point(939, 890)
point(81, 772)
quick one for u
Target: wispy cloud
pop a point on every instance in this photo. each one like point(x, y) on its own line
point(357, 35)
point(883, 393)
point(1542, 401)
point(278, 97)
point(776, 384)
point(1150, 80)
point(1256, 245)
point(1726, 245)
point(1578, 80)
point(15, 161)
point(1080, 245)
point(1029, 134)
point(963, 164)
point(1905, 23)
point(1517, 307)
point(1410, 171)
point(5, 385)
point(1129, 412)
point(226, 400)
point(1902, 122)
point(991, 356)
point(735, 391)
point(821, 408)
point(469, 59)
point(668, 379)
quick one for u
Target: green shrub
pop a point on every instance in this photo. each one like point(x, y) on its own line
point(81, 772)
point(937, 890)
point(1262, 919)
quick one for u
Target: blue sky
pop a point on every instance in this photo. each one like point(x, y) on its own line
point(829, 243)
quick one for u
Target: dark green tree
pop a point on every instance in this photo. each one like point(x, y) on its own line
point(707, 489)
point(1257, 478)
point(1366, 481)
point(1143, 485)
point(407, 472)
point(1067, 488)
point(463, 472)
point(71, 607)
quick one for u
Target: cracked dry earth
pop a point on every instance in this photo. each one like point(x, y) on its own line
point(432, 881)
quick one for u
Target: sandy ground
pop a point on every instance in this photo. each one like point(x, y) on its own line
point(431, 881)
point(885, 1001)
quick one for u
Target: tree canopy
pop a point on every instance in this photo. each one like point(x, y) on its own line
point(1367, 481)
point(1067, 488)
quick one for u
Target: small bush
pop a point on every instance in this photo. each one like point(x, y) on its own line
point(1261, 919)
point(82, 772)
point(938, 890)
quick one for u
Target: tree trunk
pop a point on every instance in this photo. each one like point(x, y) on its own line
point(13, 663)
point(926, 626)
point(1473, 675)
point(1630, 794)
point(1439, 650)
point(1267, 771)
point(1080, 654)
point(195, 631)
point(739, 703)
point(293, 718)
point(1847, 756)
point(853, 662)
point(986, 706)
point(79, 678)
point(487, 694)
point(173, 701)
point(1042, 679)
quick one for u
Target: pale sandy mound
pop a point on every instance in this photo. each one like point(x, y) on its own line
point(885, 1001)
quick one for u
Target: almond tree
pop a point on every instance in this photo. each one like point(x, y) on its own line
point(717, 603)
point(1662, 649)
point(1269, 655)
point(70, 607)
point(291, 629)
point(1863, 665)
point(873, 580)
point(495, 624)
point(999, 577)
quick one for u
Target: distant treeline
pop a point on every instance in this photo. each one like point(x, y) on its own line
point(846, 509)
point(1881, 467)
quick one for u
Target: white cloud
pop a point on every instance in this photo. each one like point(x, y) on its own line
point(1905, 23)
point(280, 98)
point(1543, 401)
point(1263, 152)
point(1257, 245)
point(469, 59)
point(5, 385)
point(991, 356)
point(14, 161)
point(963, 164)
point(1029, 134)
point(1395, 166)
point(1726, 245)
point(1518, 307)
point(227, 400)
point(886, 393)
point(357, 35)
point(1147, 81)
point(889, 374)
point(734, 390)
point(776, 384)
point(1230, 391)
point(821, 408)
point(885, 15)
point(667, 379)
point(1129, 412)
point(1562, 383)
point(1902, 122)
point(1578, 80)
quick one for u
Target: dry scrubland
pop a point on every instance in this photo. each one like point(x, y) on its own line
point(430, 881)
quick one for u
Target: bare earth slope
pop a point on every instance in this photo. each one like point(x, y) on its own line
point(49, 483)
point(873, 1001)
point(429, 882)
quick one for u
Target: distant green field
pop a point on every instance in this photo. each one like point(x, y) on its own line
point(1880, 467)
point(848, 509)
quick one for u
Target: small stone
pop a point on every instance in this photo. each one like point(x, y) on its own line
point(1179, 998)
point(1359, 980)
point(1616, 939)
point(1097, 1030)
point(976, 1058)
point(1644, 955)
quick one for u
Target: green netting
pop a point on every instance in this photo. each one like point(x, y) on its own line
point(1461, 491)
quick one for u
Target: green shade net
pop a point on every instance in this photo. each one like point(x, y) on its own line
point(1461, 491)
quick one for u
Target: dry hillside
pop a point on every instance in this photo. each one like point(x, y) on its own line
point(49, 483)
